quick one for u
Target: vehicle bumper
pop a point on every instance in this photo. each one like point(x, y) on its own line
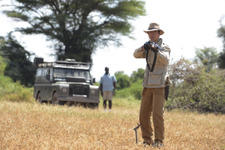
point(79, 98)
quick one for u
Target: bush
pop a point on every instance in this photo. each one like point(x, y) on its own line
point(11, 91)
point(203, 92)
point(123, 80)
point(2, 66)
point(133, 91)
point(14, 92)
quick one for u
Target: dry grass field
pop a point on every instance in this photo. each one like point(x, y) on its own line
point(27, 126)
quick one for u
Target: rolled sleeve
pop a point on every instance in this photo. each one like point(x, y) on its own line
point(139, 53)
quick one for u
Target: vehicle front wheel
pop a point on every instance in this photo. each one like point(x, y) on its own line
point(94, 105)
point(38, 98)
point(54, 99)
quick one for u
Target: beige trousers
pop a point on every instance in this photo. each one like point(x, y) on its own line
point(152, 104)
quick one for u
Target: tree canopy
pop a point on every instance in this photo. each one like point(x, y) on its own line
point(207, 56)
point(137, 75)
point(77, 27)
point(18, 65)
point(123, 80)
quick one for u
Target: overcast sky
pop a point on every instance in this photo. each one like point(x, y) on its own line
point(188, 24)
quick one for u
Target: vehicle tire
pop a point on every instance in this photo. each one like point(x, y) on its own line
point(94, 106)
point(54, 99)
point(38, 98)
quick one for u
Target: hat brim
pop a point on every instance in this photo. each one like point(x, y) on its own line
point(161, 31)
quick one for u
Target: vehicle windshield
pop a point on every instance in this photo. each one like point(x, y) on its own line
point(63, 73)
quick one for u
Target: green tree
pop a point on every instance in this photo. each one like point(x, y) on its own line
point(221, 58)
point(77, 27)
point(207, 57)
point(123, 80)
point(137, 75)
point(18, 65)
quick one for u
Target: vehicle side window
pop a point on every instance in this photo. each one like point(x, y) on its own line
point(44, 72)
point(39, 71)
point(39, 75)
point(51, 74)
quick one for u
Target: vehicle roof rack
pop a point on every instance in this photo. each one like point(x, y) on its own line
point(73, 63)
point(68, 63)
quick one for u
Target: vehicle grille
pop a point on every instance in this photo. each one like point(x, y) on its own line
point(79, 90)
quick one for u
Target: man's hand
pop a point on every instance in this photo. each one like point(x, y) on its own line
point(154, 48)
point(147, 46)
point(114, 92)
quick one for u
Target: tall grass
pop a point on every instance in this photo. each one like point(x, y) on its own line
point(36, 126)
point(14, 92)
point(11, 91)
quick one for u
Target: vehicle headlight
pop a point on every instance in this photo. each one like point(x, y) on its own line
point(93, 92)
point(64, 90)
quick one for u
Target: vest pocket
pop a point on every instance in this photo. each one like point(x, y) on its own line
point(155, 79)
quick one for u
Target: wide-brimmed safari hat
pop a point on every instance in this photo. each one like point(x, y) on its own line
point(154, 27)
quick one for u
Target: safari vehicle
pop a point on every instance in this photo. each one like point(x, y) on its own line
point(65, 81)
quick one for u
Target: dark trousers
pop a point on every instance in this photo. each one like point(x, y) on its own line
point(105, 104)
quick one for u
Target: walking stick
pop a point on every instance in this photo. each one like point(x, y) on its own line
point(135, 129)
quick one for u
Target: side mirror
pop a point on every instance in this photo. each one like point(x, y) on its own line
point(93, 80)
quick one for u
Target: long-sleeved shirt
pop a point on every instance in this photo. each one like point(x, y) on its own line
point(157, 78)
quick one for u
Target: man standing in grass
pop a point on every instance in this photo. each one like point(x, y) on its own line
point(107, 87)
point(157, 55)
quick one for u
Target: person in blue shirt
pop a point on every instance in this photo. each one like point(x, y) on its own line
point(107, 87)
